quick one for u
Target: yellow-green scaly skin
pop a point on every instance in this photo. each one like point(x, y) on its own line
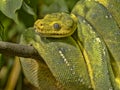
point(81, 50)
point(105, 24)
point(66, 25)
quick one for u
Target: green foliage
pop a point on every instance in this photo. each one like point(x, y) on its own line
point(16, 16)
point(9, 8)
point(2, 33)
point(55, 6)
point(1, 63)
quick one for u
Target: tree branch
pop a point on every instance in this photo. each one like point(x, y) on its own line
point(13, 49)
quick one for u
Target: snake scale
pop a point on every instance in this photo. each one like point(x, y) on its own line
point(81, 50)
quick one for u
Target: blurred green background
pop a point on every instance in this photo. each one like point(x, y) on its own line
point(15, 17)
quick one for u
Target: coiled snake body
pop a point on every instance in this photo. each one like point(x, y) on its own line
point(81, 50)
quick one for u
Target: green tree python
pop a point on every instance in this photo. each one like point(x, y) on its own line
point(81, 50)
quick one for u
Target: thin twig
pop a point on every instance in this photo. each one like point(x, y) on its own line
point(13, 49)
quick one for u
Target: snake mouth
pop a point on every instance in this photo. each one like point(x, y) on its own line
point(50, 32)
point(53, 34)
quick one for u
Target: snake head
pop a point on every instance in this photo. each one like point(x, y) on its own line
point(56, 25)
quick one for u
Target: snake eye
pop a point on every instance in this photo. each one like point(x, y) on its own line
point(41, 24)
point(56, 26)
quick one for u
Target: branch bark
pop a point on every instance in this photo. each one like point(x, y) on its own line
point(13, 49)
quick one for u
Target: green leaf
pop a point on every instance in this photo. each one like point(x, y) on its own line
point(2, 32)
point(28, 9)
point(9, 8)
point(55, 6)
point(1, 62)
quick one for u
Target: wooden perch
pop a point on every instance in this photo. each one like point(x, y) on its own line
point(13, 49)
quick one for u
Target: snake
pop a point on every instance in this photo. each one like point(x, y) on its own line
point(80, 50)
